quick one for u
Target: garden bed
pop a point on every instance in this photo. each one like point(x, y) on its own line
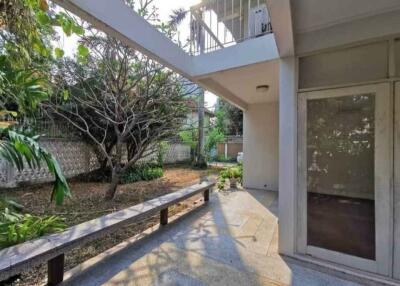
point(87, 203)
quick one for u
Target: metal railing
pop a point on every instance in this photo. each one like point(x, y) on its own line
point(216, 24)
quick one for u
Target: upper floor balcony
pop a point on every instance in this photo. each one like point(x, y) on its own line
point(217, 24)
point(231, 41)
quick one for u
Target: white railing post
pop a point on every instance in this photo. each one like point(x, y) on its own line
point(241, 20)
point(206, 35)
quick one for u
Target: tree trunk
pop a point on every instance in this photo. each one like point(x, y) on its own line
point(192, 155)
point(201, 161)
point(116, 173)
point(112, 188)
point(103, 164)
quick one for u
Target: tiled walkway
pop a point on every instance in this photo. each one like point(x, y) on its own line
point(231, 241)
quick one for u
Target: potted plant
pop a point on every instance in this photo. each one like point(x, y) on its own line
point(234, 174)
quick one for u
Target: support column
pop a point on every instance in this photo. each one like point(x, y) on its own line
point(164, 216)
point(55, 270)
point(287, 155)
point(206, 195)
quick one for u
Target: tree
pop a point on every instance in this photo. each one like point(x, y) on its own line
point(201, 158)
point(20, 94)
point(119, 100)
point(189, 137)
point(25, 54)
point(233, 118)
point(27, 31)
point(216, 133)
point(176, 19)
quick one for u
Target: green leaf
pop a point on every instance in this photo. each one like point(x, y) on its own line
point(59, 53)
point(38, 45)
point(43, 18)
point(82, 54)
point(17, 148)
point(83, 51)
point(78, 30)
point(12, 113)
point(67, 27)
point(65, 94)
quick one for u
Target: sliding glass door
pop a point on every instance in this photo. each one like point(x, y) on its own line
point(345, 174)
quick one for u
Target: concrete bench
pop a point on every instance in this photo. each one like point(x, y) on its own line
point(51, 248)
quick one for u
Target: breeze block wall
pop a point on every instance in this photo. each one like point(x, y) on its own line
point(75, 157)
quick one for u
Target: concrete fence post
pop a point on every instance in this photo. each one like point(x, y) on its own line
point(9, 174)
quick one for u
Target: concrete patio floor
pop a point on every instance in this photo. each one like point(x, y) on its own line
point(231, 241)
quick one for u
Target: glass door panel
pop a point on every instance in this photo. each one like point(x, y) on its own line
point(345, 176)
point(340, 174)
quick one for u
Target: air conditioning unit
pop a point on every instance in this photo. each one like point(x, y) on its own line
point(259, 21)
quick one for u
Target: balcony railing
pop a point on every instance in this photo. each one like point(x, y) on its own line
point(216, 24)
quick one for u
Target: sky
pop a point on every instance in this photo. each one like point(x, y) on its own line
point(165, 9)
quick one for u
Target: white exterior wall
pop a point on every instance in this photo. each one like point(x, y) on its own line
point(287, 156)
point(261, 141)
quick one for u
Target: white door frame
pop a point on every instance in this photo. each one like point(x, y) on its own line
point(383, 179)
point(396, 251)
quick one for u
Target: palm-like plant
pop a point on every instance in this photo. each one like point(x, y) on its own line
point(22, 151)
point(177, 17)
point(22, 91)
point(25, 32)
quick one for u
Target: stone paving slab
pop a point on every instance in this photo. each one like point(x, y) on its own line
point(168, 265)
point(231, 241)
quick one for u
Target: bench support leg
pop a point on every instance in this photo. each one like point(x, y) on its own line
point(164, 216)
point(206, 195)
point(55, 270)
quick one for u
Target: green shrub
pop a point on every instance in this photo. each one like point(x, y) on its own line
point(161, 151)
point(16, 227)
point(222, 159)
point(144, 172)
